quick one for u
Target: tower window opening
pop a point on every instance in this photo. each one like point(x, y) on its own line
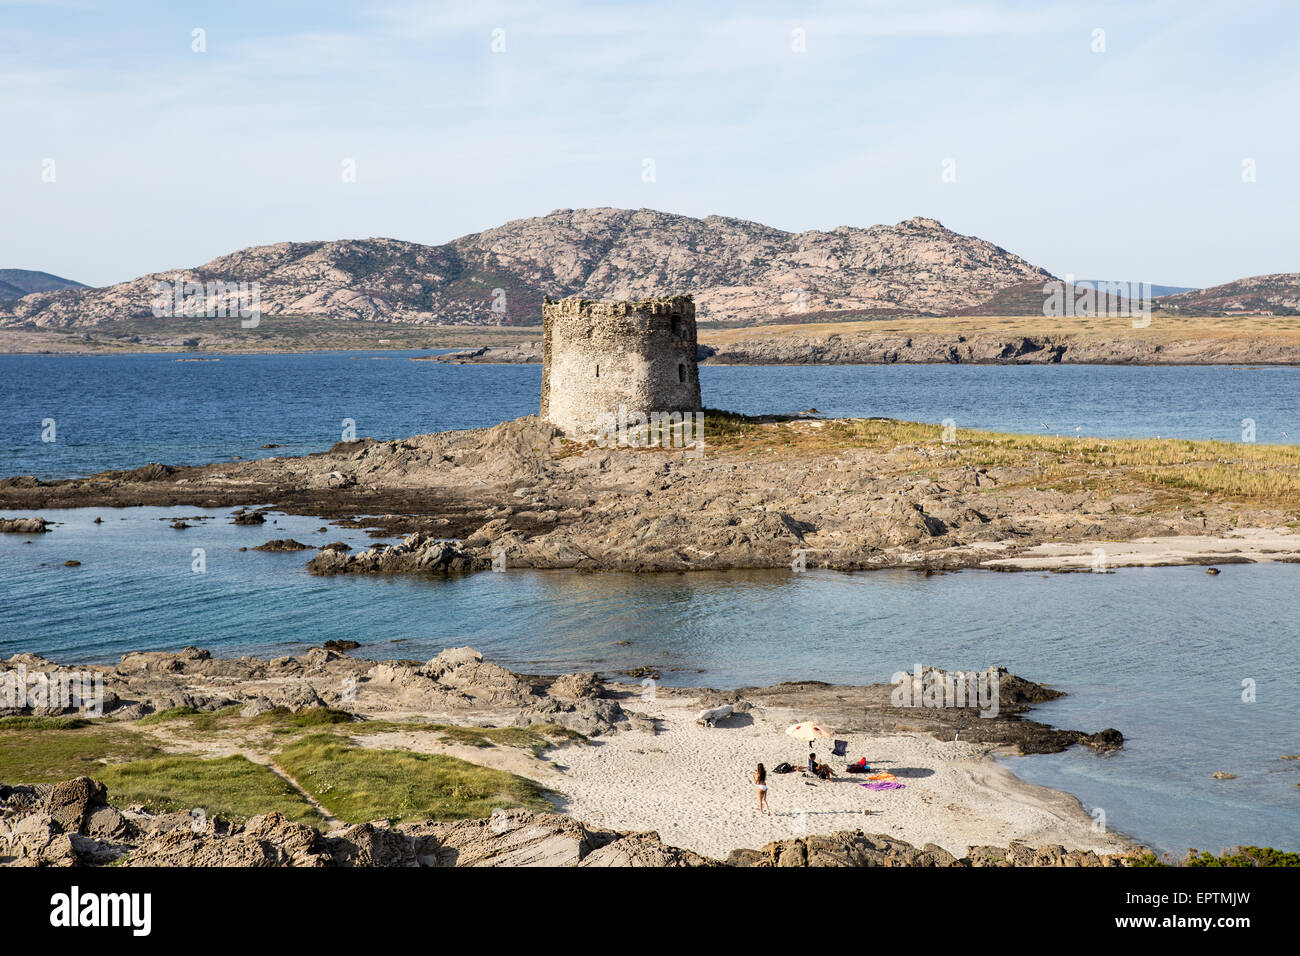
point(677, 326)
point(681, 373)
point(598, 371)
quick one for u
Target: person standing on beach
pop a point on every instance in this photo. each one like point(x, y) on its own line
point(760, 781)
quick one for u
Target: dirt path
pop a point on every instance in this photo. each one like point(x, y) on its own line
point(331, 822)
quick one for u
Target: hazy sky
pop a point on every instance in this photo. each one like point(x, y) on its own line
point(1122, 164)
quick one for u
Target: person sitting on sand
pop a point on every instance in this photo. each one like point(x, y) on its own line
point(812, 763)
point(760, 781)
point(824, 771)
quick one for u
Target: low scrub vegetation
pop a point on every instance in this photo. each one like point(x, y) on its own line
point(1236, 857)
point(1181, 470)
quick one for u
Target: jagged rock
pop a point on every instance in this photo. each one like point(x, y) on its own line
point(576, 686)
point(419, 552)
point(70, 803)
point(591, 718)
point(374, 844)
point(161, 661)
point(1104, 740)
point(642, 850)
point(464, 669)
point(414, 689)
point(937, 856)
point(256, 707)
point(513, 839)
point(318, 657)
point(293, 698)
point(65, 825)
point(266, 840)
point(35, 840)
point(282, 544)
point(453, 657)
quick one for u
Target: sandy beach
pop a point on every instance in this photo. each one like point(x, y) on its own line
point(690, 784)
point(1245, 546)
point(616, 756)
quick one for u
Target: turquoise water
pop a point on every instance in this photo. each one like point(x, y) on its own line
point(1158, 653)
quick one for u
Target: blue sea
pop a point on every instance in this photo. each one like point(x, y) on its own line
point(119, 411)
point(1161, 654)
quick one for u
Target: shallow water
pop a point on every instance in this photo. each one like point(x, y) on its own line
point(1158, 653)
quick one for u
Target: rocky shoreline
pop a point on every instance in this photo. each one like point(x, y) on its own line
point(989, 348)
point(76, 823)
point(73, 824)
point(846, 495)
point(459, 681)
point(997, 349)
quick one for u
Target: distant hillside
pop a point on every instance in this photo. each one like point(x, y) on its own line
point(1028, 298)
point(738, 271)
point(1156, 289)
point(1278, 293)
point(16, 283)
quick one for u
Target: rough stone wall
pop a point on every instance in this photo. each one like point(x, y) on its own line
point(598, 356)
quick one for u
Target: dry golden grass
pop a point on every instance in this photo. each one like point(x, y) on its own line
point(1164, 327)
point(1266, 475)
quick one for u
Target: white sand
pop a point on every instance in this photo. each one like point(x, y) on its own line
point(691, 784)
point(1252, 544)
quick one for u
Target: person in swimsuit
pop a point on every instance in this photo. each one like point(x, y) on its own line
point(760, 781)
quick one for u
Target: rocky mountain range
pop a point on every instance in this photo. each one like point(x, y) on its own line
point(738, 271)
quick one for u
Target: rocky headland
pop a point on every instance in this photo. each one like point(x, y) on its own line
point(766, 493)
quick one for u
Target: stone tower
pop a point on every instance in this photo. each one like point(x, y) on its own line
point(600, 356)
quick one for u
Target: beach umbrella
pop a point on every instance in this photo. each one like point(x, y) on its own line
point(807, 731)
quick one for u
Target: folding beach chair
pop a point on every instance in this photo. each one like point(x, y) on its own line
point(841, 749)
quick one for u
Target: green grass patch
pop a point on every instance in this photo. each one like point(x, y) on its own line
point(232, 787)
point(279, 720)
point(535, 738)
point(171, 713)
point(311, 717)
point(35, 754)
point(358, 784)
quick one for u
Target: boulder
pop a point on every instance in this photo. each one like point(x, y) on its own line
point(282, 544)
point(576, 686)
point(372, 844)
point(23, 526)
